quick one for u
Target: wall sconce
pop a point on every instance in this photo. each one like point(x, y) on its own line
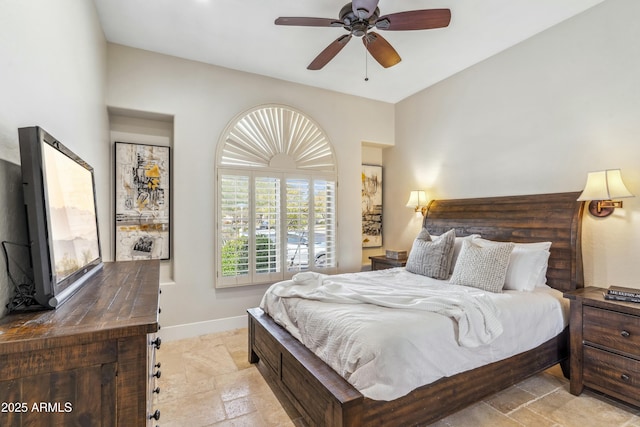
point(418, 201)
point(601, 188)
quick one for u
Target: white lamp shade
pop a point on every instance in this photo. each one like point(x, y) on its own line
point(417, 199)
point(604, 185)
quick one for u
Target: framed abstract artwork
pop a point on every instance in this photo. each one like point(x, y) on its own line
point(371, 206)
point(142, 202)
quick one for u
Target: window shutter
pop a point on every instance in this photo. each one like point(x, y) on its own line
point(268, 257)
point(277, 198)
point(324, 229)
point(234, 229)
point(297, 208)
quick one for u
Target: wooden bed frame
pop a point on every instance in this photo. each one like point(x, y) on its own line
point(323, 398)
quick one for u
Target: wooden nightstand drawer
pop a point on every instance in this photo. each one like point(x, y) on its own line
point(611, 373)
point(617, 331)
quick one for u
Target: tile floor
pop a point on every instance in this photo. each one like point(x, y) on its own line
point(207, 381)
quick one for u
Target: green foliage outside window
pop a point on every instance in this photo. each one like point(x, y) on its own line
point(235, 256)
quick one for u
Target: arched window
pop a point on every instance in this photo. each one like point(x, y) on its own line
point(276, 204)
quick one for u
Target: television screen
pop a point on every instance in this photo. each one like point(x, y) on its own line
point(59, 195)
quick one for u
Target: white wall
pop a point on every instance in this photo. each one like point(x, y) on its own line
point(203, 99)
point(52, 74)
point(533, 119)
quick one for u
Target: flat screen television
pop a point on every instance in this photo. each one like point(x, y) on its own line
point(60, 200)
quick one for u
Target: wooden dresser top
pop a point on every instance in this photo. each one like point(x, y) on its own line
point(121, 300)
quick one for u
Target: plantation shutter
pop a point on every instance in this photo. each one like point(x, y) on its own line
point(234, 229)
point(324, 223)
point(297, 208)
point(277, 187)
point(268, 263)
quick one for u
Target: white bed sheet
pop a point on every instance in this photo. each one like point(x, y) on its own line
point(387, 352)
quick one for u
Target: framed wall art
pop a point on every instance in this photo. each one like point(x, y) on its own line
point(142, 202)
point(371, 206)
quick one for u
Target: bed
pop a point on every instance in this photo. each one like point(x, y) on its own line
point(324, 398)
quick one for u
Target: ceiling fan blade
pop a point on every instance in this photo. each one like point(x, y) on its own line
point(308, 22)
point(415, 20)
point(381, 50)
point(364, 8)
point(329, 52)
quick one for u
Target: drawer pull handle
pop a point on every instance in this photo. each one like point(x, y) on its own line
point(157, 343)
point(157, 374)
point(156, 390)
point(155, 415)
point(625, 377)
point(625, 334)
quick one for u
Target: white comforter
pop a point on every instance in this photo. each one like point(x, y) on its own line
point(390, 331)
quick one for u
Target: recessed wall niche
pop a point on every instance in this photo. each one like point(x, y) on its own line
point(142, 127)
point(371, 155)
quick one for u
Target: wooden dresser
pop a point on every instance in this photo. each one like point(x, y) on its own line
point(605, 345)
point(91, 362)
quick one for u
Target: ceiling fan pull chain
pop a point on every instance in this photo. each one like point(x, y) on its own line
point(366, 66)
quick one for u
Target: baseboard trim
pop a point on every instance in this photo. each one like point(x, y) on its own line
point(190, 330)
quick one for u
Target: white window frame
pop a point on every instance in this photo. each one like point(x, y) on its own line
point(282, 165)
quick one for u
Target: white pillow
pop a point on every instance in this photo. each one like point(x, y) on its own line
point(527, 269)
point(527, 265)
point(483, 267)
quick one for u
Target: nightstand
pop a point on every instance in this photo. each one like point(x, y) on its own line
point(381, 262)
point(605, 345)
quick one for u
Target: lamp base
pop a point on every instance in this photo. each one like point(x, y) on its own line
point(602, 209)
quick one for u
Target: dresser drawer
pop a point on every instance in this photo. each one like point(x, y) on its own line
point(612, 373)
point(617, 331)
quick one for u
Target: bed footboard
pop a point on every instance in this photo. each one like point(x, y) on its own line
point(316, 391)
point(437, 400)
point(324, 398)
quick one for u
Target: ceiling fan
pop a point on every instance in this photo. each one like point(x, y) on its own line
point(358, 18)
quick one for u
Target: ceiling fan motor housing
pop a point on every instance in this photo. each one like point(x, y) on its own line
point(356, 25)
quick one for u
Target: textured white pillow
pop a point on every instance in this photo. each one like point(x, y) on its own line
point(457, 246)
point(533, 245)
point(527, 265)
point(483, 267)
point(429, 257)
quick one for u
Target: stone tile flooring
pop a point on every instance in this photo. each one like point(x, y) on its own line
point(207, 381)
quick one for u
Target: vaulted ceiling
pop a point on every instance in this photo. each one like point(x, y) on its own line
point(241, 35)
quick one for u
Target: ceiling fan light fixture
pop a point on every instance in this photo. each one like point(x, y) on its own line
point(383, 23)
point(362, 13)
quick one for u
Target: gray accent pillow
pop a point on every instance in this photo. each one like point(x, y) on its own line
point(482, 267)
point(432, 258)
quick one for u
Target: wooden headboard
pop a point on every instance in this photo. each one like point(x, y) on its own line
point(533, 218)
